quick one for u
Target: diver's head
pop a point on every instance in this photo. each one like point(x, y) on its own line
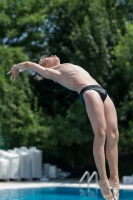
point(49, 61)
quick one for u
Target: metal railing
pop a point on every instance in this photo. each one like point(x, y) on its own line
point(89, 178)
point(82, 178)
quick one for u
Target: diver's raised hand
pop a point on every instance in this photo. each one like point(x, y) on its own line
point(14, 72)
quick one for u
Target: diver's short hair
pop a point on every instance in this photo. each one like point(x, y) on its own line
point(41, 59)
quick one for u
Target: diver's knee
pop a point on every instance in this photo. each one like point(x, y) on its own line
point(113, 135)
point(100, 134)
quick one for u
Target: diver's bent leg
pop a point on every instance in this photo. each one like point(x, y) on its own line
point(112, 145)
point(95, 111)
point(98, 151)
point(112, 157)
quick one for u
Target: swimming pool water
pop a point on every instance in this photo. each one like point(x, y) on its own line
point(59, 193)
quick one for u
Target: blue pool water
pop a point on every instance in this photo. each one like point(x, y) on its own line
point(59, 194)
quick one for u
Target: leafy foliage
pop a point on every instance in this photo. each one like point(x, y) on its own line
point(122, 62)
point(19, 116)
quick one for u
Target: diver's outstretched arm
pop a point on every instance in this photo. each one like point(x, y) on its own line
point(47, 73)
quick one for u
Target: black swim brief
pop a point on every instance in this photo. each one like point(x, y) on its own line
point(102, 92)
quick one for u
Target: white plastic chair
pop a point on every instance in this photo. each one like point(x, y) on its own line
point(62, 174)
point(16, 149)
point(4, 169)
point(46, 169)
point(25, 165)
point(23, 148)
point(127, 180)
point(11, 151)
point(36, 163)
point(14, 161)
point(52, 171)
point(32, 148)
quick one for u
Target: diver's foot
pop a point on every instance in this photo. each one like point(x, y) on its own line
point(105, 189)
point(115, 185)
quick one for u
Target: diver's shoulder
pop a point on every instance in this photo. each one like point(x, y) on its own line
point(65, 65)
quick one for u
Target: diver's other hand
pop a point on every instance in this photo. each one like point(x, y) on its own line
point(14, 72)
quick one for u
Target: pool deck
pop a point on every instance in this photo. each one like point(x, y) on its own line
point(52, 183)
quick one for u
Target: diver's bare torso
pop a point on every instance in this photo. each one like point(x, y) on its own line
point(73, 77)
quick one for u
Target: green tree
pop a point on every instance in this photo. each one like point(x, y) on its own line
point(21, 24)
point(123, 71)
point(19, 113)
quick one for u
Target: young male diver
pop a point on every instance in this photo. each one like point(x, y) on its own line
point(100, 109)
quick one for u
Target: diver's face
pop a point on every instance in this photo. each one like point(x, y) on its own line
point(50, 61)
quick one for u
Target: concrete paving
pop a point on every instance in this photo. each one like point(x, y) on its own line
point(52, 183)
